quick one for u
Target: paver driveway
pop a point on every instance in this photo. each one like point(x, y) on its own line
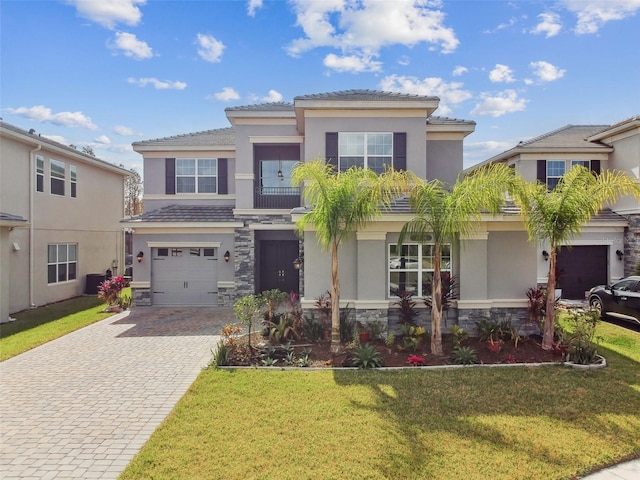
point(83, 405)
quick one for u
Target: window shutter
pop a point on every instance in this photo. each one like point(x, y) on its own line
point(595, 167)
point(223, 187)
point(170, 176)
point(542, 171)
point(400, 150)
point(331, 148)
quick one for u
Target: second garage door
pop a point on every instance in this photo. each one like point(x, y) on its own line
point(580, 268)
point(184, 276)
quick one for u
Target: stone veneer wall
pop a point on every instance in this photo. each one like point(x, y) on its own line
point(632, 245)
point(467, 318)
point(141, 297)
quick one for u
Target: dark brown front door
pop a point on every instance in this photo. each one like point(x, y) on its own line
point(276, 265)
point(580, 268)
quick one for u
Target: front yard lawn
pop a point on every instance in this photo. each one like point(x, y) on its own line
point(43, 324)
point(475, 423)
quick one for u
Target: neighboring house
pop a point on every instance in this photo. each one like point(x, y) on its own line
point(60, 221)
point(609, 246)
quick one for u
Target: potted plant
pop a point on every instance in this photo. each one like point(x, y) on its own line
point(363, 332)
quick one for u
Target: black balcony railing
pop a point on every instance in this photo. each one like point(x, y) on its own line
point(276, 197)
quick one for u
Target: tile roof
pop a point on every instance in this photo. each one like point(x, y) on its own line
point(436, 120)
point(364, 95)
point(263, 107)
point(219, 136)
point(569, 136)
point(187, 213)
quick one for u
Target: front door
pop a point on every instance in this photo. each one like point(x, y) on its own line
point(276, 265)
point(580, 268)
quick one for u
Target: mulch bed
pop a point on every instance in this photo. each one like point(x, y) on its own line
point(528, 350)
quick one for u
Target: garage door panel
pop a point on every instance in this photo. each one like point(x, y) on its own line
point(582, 267)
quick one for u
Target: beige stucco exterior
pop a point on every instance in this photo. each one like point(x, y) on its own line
point(89, 220)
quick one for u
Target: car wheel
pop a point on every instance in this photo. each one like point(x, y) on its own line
point(596, 304)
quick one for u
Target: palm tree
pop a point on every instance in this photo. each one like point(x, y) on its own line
point(556, 216)
point(446, 214)
point(342, 202)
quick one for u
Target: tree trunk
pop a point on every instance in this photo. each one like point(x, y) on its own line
point(547, 338)
point(335, 300)
point(436, 309)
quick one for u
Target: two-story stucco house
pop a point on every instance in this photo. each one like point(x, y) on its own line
point(218, 204)
point(59, 221)
point(609, 246)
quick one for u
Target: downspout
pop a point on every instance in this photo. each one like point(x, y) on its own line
point(32, 188)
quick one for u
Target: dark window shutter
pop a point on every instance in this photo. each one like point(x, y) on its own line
point(223, 187)
point(331, 148)
point(542, 171)
point(595, 167)
point(170, 176)
point(400, 150)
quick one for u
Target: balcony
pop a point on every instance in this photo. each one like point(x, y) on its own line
point(276, 197)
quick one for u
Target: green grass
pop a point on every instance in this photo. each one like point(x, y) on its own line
point(41, 325)
point(476, 423)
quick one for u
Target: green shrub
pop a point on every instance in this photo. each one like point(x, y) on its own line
point(221, 355)
point(366, 356)
point(583, 342)
point(312, 328)
point(464, 356)
point(458, 335)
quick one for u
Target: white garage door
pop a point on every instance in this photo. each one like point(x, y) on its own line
point(184, 276)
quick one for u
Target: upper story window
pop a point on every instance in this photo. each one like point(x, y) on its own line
point(555, 170)
point(275, 175)
point(73, 171)
point(584, 163)
point(62, 262)
point(39, 173)
point(57, 177)
point(366, 150)
point(411, 267)
point(196, 175)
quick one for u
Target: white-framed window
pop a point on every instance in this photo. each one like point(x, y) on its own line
point(275, 175)
point(73, 172)
point(584, 163)
point(411, 267)
point(555, 170)
point(39, 173)
point(367, 150)
point(57, 177)
point(62, 262)
point(196, 175)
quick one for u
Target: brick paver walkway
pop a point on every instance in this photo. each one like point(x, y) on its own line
point(83, 405)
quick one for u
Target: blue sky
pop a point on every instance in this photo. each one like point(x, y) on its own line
point(106, 73)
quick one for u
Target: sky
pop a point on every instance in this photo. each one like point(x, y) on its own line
point(106, 73)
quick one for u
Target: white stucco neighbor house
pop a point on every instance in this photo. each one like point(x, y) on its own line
point(59, 219)
point(220, 210)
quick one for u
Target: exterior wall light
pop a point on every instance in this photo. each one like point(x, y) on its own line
point(545, 254)
point(619, 254)
point(227, 256)
point(140, 256)
point(297, 263)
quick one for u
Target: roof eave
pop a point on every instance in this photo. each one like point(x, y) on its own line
point(635, 123)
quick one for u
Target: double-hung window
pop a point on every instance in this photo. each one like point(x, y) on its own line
point(57, 177)
point(73, 171)
point(62, 262)
point(39, 173)
point(366, 150)
point(555, 170)
point(584, 163)
point(196, 175)
point(411, 267)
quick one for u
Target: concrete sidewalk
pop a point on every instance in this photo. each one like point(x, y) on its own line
point(624, 471)
point(83, 405)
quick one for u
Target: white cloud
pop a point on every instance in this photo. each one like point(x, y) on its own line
point(227, 94)
point(40, 113)
point(57, 138)
point(351, 63)
point(545, 72)
point(449, 93)
point(459, 70)
point(131, 46)
point(210, 49)
point(593, 14)
point(109, 13)
point(500, 104)
point(549, 25)
point(158, 84)
point(253, 6)
point(103, 140)
point(404, 60)
point(512, 21)
point(501, 74)
point(490, 147)
point(273, 96)
point(124, 131)
point(366, 26)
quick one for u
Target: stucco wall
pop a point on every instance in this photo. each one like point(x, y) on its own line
point(511, 265)
point(444, 160)
point(626, 157)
